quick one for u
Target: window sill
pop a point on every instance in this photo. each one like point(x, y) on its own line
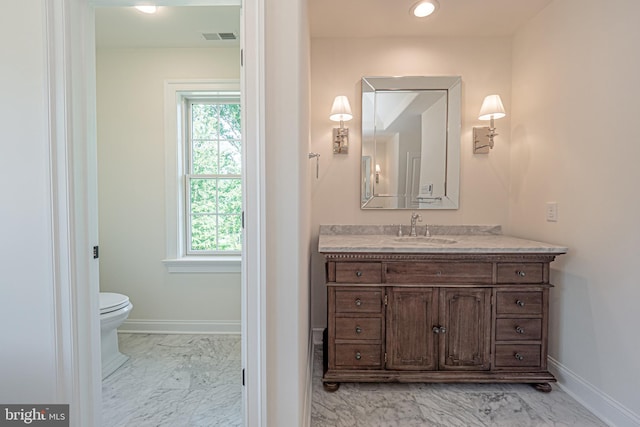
point(219, 264)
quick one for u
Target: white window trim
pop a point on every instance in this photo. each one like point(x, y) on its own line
point(177, 261)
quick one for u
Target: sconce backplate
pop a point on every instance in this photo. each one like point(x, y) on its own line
point(481, 140)
point(340, 140)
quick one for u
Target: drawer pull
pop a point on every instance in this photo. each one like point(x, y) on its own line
point(520, 329)
point(358, 302)
point(359, 273)
point(358, 355)
point(358, 330)
point(518, 356)
point(520, 273)
point(439, 330)
point(520, 303)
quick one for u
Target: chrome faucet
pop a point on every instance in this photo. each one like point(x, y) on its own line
point(414, 217)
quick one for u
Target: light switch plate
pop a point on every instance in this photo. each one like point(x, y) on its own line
point(552, 211)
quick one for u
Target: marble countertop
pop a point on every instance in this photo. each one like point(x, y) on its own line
point(443, 239)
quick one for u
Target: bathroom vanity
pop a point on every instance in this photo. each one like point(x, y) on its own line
point(466, 304)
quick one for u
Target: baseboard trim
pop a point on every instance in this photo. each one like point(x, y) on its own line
point(140, 326)
point(308, 386)
point(599, 403)
point(317, 335)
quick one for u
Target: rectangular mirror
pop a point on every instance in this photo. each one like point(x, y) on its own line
point(410, 142)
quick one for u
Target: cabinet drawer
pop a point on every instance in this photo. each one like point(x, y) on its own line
point(358, 328)
point(518, 329)
point(519, 302)
point(439, 272)
point(519, 273)
point(358, 356)
point(517, 355)
point(358, 272)
point(358, 301)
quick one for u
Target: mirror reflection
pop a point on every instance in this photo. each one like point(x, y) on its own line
point(410, 142)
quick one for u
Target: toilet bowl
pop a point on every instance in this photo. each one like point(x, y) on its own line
point(114, 309)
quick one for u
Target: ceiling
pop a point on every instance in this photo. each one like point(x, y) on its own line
point(391, 18)
point(125, 27)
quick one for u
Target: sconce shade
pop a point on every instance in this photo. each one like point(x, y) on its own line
point(378, 168)
point(492, 108)
point(341, 110)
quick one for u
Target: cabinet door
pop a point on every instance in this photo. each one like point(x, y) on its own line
point(466, 315)
point(411, 316)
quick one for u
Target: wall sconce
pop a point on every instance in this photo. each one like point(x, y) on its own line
point(341, 112)
point(491, 109)
point(377, 174)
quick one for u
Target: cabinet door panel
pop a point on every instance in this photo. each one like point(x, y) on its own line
point(466, 315)
point(412, 314)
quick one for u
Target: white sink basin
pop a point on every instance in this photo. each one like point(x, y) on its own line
point(422, 240)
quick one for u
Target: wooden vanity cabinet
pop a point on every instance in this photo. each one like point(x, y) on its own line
point(437, 318)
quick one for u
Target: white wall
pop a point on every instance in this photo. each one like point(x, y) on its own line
point(287, 213)
point(130, 96)
point(27, 318)
point(338, 64)
point(574, 141)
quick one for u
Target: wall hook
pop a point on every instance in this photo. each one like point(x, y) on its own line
point(317, 156)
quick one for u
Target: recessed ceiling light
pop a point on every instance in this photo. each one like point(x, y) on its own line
point(424, 8)
point(147, 9)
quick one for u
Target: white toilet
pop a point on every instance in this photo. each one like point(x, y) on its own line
point(114, 309)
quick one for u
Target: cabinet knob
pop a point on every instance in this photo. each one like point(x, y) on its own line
point(359, 273)
point(358, 355)
point(358, 330)
point(358, 302)
point(520, 273)
point(520, 303)
point(518, 356)
point(436, 330)
point(520, 329)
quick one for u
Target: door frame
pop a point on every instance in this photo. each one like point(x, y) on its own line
point(70, 43)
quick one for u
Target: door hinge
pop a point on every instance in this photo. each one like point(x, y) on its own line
point(386, 300)
point(241, 57)
point(243, 220)
point(243, 377)
point(96, 252)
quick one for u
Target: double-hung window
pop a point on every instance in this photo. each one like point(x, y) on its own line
point(204, 156)
point(213, 181)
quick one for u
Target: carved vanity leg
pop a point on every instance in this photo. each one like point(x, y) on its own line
point(331, 387)
point(543, 387)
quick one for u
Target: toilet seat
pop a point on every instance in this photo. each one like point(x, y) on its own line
point(110, 302)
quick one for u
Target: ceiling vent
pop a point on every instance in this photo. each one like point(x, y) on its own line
point(219, 36)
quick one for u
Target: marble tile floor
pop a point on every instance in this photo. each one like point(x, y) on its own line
point(443, 405)
point(175, 380)
point(194, 380)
